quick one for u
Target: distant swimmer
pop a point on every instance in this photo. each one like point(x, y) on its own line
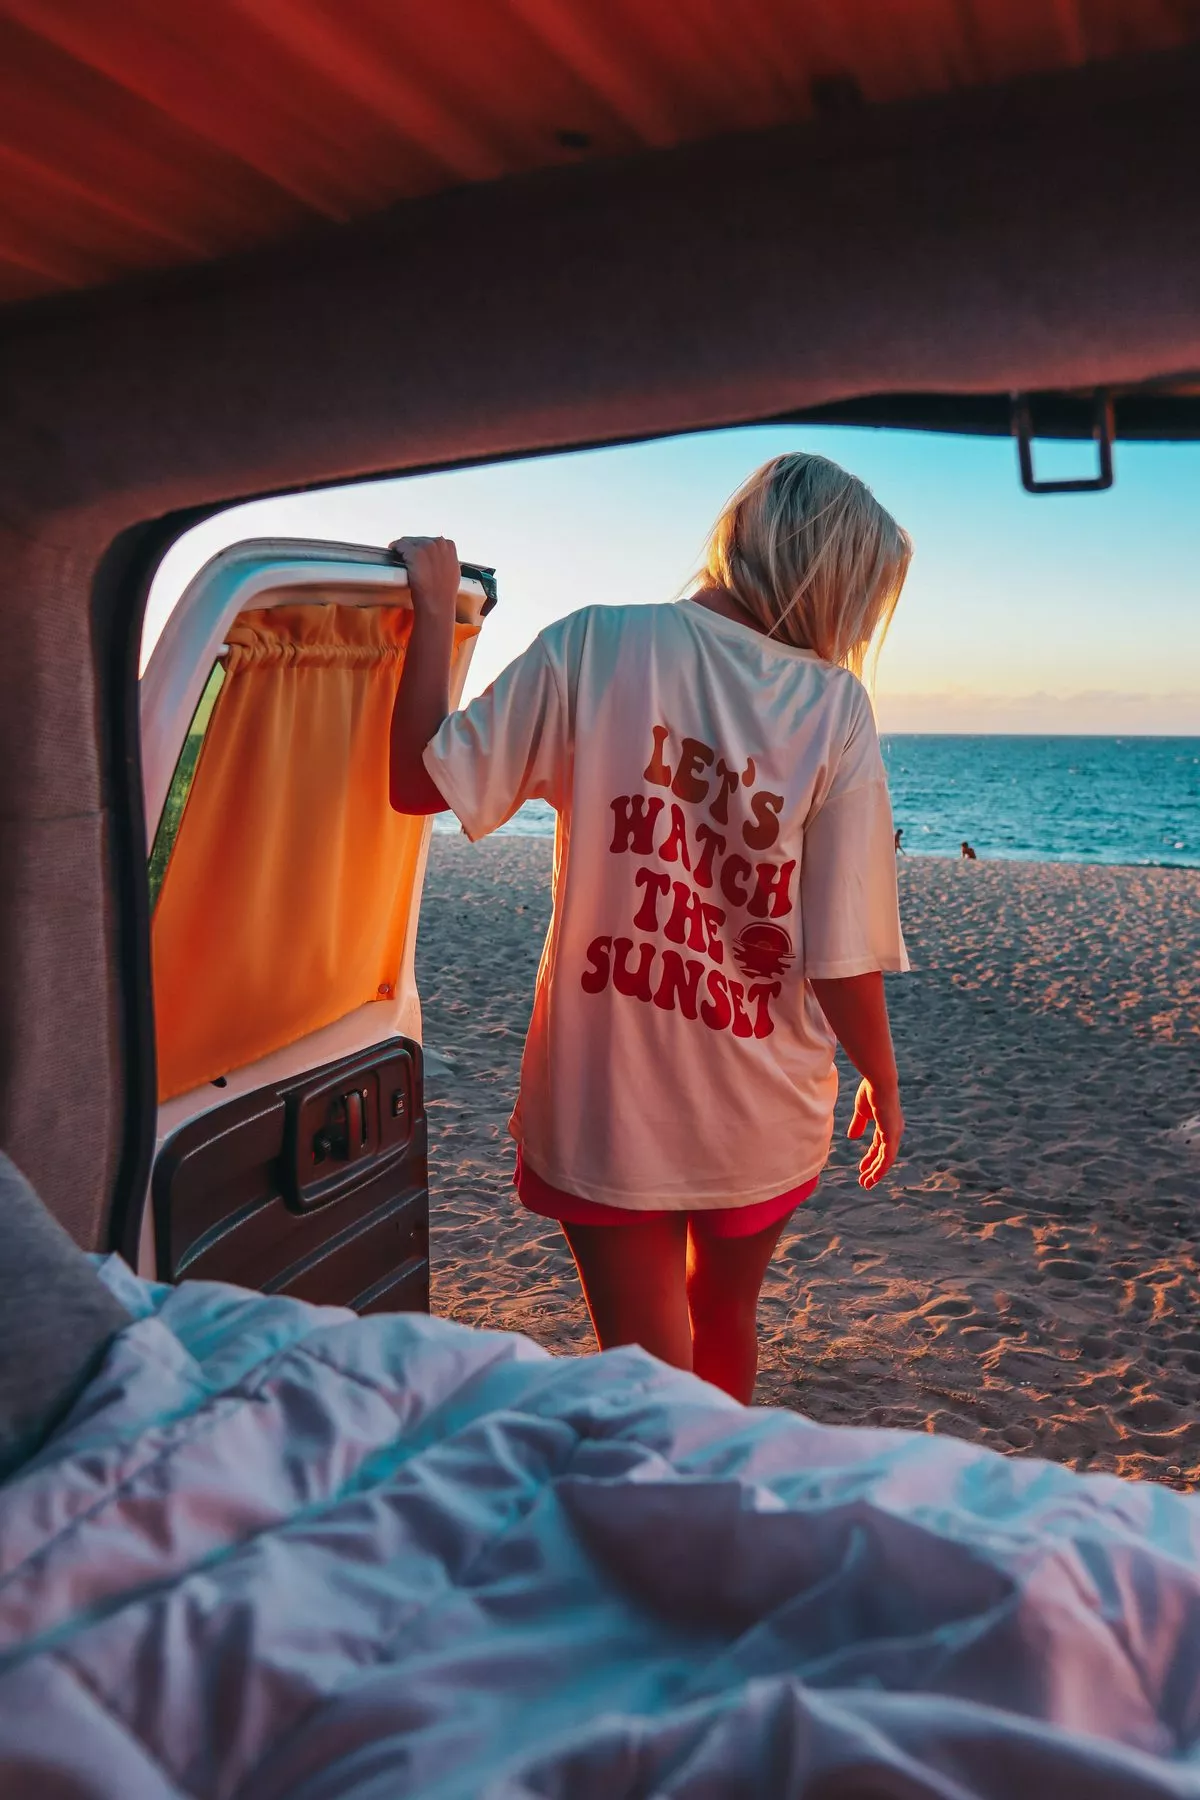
point(968, 854)
point(899, 845)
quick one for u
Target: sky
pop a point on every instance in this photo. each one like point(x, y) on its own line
point(1072, 613)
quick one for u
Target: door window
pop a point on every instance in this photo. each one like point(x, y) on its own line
point(181, 784)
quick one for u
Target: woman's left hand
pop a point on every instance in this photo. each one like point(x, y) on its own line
point(877, 1104)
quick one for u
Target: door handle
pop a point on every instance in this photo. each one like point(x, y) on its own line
point(356, 1123)
point(341, 1130)
point(345, 1133)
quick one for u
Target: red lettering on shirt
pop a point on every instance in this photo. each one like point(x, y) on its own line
point(766, 809)
point(679, 986)
point(594, 979)
point(634, 819)
point(735, 871)
point(680, 983)
point(773, 893)
point(658, 770)
point(687, 918)
point(742, 1026)
point(713, 844)
point(693, 756)
point(674, 847)
point(729, 780)
point(634, 984)
point(716, 1011)
point(648, 826)
point(714, 918)
point(655, 883)
point(763, 992)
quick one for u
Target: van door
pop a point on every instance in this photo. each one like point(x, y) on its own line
point(291, 1142)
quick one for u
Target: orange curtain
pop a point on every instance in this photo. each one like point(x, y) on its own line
point(286, 899)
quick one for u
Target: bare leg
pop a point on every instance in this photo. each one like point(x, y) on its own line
point(724, 1276)
point(633, 1282)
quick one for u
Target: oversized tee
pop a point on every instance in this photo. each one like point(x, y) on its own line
point(724, 836)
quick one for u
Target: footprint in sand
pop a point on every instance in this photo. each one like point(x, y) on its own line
point(1150, 1415)
point(1061, 1269)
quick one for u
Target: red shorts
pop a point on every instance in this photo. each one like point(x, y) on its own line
point(537, 1196)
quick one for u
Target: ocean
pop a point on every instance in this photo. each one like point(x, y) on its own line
point(1029, 799)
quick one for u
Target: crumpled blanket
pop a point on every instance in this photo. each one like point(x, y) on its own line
point(276, 1550)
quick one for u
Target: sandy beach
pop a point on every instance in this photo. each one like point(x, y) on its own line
point(1028, 1277)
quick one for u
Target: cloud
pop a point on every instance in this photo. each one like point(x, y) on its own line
point(1099, 712)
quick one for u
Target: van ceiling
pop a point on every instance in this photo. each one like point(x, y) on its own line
point(137, 135)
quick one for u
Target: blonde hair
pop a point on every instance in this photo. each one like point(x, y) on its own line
point(811, 555)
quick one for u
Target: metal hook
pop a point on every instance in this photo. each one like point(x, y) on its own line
point(1102, 437)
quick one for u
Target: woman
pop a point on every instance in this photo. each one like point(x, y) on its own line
point(724, 897)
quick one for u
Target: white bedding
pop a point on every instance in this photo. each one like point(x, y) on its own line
point(276, 1551)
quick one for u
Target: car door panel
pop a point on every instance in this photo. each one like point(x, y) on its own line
point(292, 1136)
point(269, 1192)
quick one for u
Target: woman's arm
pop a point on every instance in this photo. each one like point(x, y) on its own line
point(423, 697)
point(857, 1013)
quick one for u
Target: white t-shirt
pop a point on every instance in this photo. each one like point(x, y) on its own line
point(724, 832)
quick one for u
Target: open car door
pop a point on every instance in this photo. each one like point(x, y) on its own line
point(291, 1139)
